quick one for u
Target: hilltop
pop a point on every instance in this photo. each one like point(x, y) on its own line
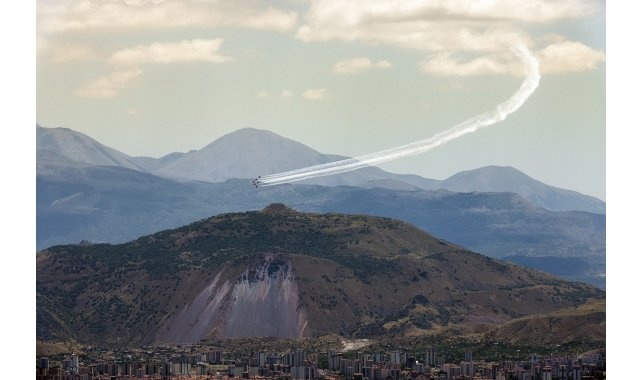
point(279, 272)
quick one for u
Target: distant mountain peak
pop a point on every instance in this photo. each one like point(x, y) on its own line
point(252, 130)
point(496, 169)
point(495, 178)
point(67, 146)
point(252, 136)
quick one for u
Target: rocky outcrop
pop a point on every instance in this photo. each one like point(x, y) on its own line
point(263, 301)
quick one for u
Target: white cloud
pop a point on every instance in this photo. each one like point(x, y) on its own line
point(197, 50)
point(533, 11)
point(569, 56)
point(359, 65)
point(466, 37)
point(421, 35)
point(384, 64)
point(316, 94)
point(283, 94)
point(187, 51)
point(560, 57)
point(443, 64)
point(77, 15)
point(434, 25)
point(111, 85)
point(73, 53)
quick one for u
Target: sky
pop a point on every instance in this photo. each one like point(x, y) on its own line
point(151, 77)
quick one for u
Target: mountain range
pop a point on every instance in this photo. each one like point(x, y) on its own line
point(87, 191)
point(248, 153)
point(283, 273)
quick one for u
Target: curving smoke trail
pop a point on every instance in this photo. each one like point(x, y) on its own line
point(499, 113)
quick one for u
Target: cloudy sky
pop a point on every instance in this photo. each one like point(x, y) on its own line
point(150, 77)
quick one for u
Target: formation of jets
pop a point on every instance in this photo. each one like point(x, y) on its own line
point(256, 182)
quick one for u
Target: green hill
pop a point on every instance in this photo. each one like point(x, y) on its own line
point(282, 273)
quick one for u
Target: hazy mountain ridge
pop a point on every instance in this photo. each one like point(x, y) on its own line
point(248, 153)
point(64, 146)
point(80, 201)
point(506, 178)
point(229, 156)
point(353, 274)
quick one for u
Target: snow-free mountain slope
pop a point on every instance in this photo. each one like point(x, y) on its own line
point(246, 153)
point(249, 153)
point(64, 146)
point(509, 179)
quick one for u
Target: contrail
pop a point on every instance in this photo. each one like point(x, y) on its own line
point(499, 113)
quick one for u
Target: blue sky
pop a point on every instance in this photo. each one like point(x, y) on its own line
point(150, 77)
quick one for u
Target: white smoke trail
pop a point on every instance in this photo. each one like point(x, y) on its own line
point(530, 83)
